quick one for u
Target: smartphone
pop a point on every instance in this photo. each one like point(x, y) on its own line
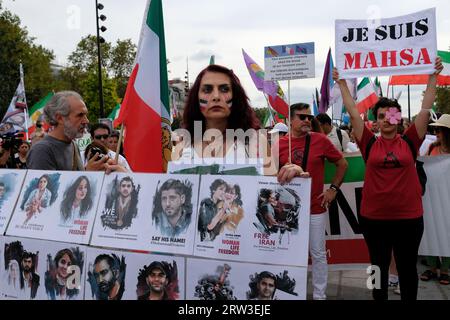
point(95, 150)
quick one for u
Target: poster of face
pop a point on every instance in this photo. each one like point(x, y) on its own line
point(279, 228)
point(57, 205)
point(224, 212)
point(120, 275)
point(124, 212)
point(219, 280)
point(42, 270)
point(10, 185)
point(174, 214)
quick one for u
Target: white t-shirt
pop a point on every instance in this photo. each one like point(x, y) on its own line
point(112, 155)
point(335, 139)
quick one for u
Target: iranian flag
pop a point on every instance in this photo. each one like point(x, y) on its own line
point(114, 115)
point(443, 78)
point(366, 95)
point(145, 109)
point(36, 113)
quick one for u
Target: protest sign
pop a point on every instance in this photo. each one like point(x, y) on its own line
point(289, 62)
point(400, 45)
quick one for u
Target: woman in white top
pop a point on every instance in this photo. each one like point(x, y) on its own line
point(217, 102)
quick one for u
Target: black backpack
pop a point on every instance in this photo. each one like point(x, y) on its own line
point(419, 164)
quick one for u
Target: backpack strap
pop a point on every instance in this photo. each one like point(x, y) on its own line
point(369, 146)
point(411, 146)
point(339, 134)
point(306, 152)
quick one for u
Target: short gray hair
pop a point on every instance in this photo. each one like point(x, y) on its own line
point(59, 104)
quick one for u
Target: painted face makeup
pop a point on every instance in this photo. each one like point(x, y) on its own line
point(208, 90)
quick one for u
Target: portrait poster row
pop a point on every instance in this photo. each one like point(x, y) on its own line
point(235, 218)
point(48, 270)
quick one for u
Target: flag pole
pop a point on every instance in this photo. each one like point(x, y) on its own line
point(116, 159)
point(289, 127)
point(25, 110)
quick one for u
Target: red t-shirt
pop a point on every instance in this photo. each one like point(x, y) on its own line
point(321, 148)
point(391, 186)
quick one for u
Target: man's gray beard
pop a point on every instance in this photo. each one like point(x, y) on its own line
point(70, 132)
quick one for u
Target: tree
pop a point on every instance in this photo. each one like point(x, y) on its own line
point(443, 99)
point(82, 73)
point(121, 64)
point(16, 47)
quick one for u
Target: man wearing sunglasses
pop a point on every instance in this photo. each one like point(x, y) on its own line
point(309, 151)
point(66, 112)
point(100, 133)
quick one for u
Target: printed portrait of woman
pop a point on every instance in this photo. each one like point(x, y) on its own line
point(38, 199)
point(57, 284)
point(77, 201)
point(13, 275)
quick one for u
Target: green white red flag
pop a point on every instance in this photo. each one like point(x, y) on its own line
point(145, 110)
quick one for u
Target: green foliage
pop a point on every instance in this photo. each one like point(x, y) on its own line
point(89, 88)
point(443, 99)
point(261, 113)
point(82, 73)
point(17, 46)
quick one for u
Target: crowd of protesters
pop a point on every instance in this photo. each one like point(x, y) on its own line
point(218, 100)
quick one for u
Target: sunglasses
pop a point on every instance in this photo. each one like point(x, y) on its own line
point(101, 136)
point(303, 117)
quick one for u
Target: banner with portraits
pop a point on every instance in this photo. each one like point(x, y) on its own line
point(253, 219)
point(219, 280)
point(147, 212)
point(57, 206)
point(41, 270)
point(10, 186)
point(120, 275)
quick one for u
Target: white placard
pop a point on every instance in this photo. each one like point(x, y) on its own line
point(279, 223)
point(225, 206)
point(395, 46)
point(57, 206)
point(124, 213)
point(289, 62)
point(219, 280)
point(174, 213)
point(233, 220)
point(41, 270)
point(10, 186)
point(120, 275)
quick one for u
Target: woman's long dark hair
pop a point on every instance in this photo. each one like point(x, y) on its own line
point(69, 198)
point(242, 115)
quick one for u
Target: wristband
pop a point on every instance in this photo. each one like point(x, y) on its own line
point(334, 187)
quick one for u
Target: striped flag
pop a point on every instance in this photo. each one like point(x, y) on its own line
point(327, 84)
point(443, 78)
point(145, 110)
point(36, 113)
point(367, 97)
point(114, 115)
point(271, 88)
point(16, 117)
point(377, 86)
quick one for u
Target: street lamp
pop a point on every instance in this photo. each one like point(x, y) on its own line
point(99, 6)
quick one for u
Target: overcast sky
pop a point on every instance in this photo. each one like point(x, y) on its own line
point(199, 28)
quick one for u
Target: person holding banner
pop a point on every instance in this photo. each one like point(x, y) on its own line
point(391, 209)
point(309, 151)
